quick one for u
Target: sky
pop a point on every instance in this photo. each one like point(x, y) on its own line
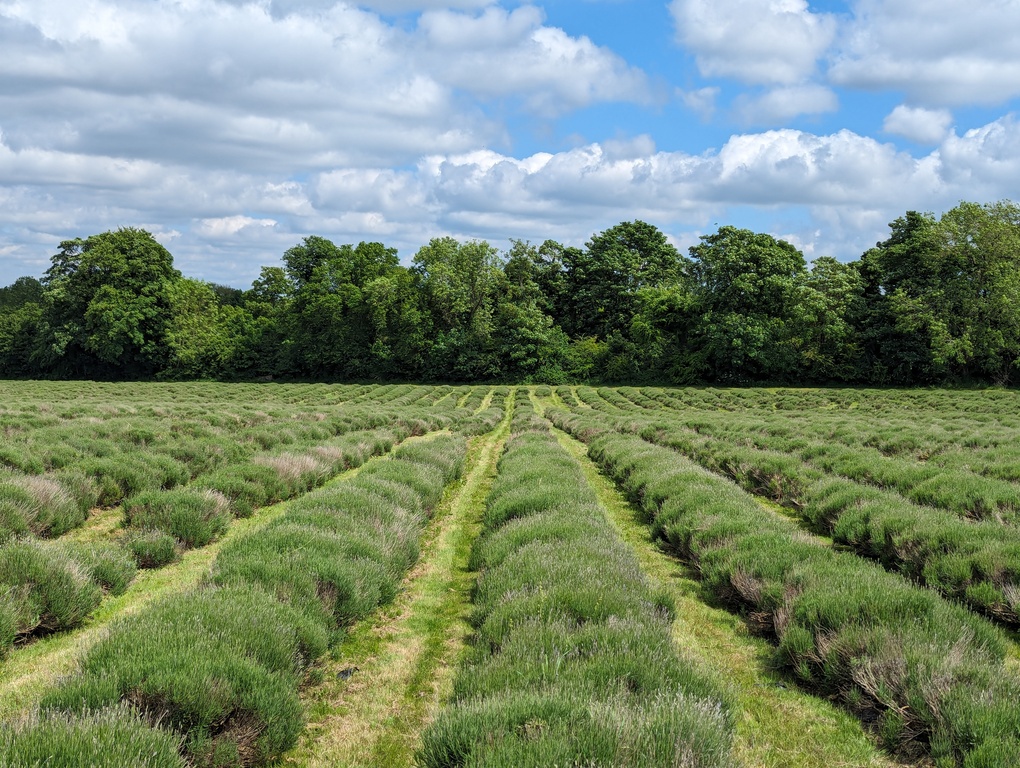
point(231, 129)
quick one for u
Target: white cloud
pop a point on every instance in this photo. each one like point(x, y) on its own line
point(701, 101)
point(925, 126)
point(782, 104)
point(232, 129)
point(755, 41)
point(500, 52)
point(848, 186)
point(206, 82)
point(229, 226)
point(938, 52)
point(984, 163)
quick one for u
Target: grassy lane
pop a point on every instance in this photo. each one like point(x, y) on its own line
point(100, 525)
point(778, 725)
point(387, 679)
point(30, 671)
point(485, 401)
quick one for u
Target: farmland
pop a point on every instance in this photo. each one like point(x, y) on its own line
point(249, 574)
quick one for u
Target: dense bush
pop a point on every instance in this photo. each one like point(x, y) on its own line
point(193, 517)
point(151, 548)
point(112, 738)
point(36, 504)
point(45, 589)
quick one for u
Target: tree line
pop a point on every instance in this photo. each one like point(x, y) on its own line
point(937, 302)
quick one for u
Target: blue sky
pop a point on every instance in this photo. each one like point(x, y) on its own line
point(233, 128)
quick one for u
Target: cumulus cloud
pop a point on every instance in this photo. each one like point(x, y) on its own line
point(229, 226)
point(500, 52)
point(233, 129)
point(755, 41)
point(781, 104)
point(700, 100)
point(938, 52)
point(925, 126)
point(849, 186)
point(208, 82)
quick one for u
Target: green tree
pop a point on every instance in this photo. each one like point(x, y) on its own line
point(400, 325)
point(825, 332)
point(20, 322)
point(262, 328)
point(334, 322)
point(603, 281)
point(459, 282)
point(24, 290)
point(200, 332)
point(982, 244)
point(106, 305)
point(943, 296)
point(527, 344)
point(746, 290)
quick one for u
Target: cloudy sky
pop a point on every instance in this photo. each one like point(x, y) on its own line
point(230, 129)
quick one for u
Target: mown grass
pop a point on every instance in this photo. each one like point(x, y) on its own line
point(385, 680)
point(777, 725)
point(927, 674)
point(571, 661)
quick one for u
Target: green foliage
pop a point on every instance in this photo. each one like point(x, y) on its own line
point(110, 738)
point(935, 302)
point(572, 662)
point(151, 548)
point(604, 281)
point(746, 295)
point(943, 295)
point(37, 504)
point(107, 305)
point(46, 589)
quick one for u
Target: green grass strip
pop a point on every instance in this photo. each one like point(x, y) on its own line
point(778, 726)
point(571, 661)
point(404, 655)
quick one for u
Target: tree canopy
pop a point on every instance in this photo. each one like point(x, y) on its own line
point(937, 301)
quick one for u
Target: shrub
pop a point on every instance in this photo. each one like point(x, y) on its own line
point(51, 591)
point(193, 517)
point(110, 738)
point(221, 665)
point(572, 662)
point(110, 566)
point(151, 548)
point(842, 624)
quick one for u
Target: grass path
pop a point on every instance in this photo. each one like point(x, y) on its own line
point(31, 670)
point(405, 657)
point(100, 525)
point(486, 401)
point(778, 726)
